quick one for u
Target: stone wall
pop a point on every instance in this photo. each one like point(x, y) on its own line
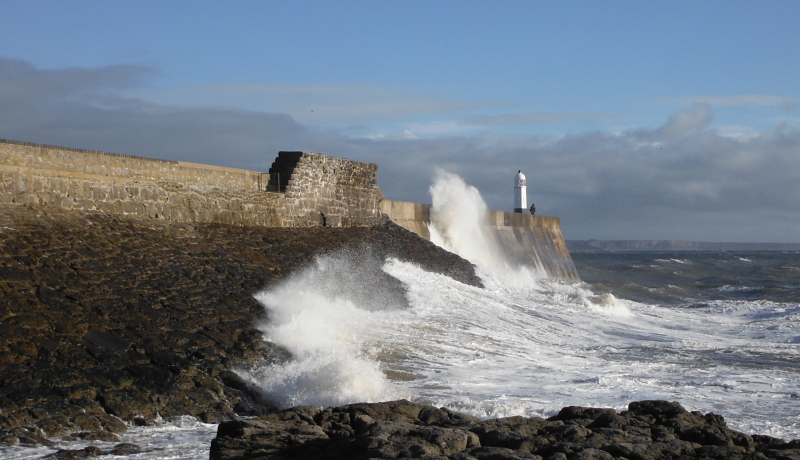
point(328, 190)
point(415, 217)
point(321, 191)
point(314, 190)
point(101, 166)
point(534, 241)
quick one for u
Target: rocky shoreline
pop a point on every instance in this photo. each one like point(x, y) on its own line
point(648, 430)
point(108, 321)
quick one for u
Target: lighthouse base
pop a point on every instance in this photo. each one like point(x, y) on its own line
point(519, 210)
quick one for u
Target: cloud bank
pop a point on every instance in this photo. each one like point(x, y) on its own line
point(681, 180)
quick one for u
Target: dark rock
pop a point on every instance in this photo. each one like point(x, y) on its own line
point(401, 439)
point(67, 454)
point(494, 453)
point(609, 420)
point(509, 432)
point(575, 412)
point(106, 320)
point(142, 421)
point(125, 448)
point(657, 408)
point(51, 427)
point(86, 422)
point(402, 429)
point(651, 450)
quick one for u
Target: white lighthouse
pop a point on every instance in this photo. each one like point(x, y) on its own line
point(520, 193)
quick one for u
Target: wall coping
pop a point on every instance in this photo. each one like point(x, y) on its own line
point(183, 164)
point(407, 210)
point(94, 152)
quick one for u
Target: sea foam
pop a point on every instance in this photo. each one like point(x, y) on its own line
point(524, 344)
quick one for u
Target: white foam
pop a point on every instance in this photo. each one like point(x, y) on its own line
point(521, 346)
point(181, 438)
point(524, 345)
point(458, 218)
point(322, 323)
point(529, 352)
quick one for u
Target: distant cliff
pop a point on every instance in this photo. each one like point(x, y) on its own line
point(671, 245)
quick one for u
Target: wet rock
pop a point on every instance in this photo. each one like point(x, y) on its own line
point(512, 432)
point(402, 429)
point(125, 448)
point(657, 408)
point(107, 321)
point(69, 454)
point(25, 436)
point(97, 436)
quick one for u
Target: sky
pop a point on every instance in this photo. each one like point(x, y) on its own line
point(631, 120)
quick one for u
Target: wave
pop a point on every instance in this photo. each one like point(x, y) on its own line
point(322, 316)
point(457, 225)
point(523, 344)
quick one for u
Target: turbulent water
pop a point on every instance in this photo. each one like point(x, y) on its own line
point(715, 331)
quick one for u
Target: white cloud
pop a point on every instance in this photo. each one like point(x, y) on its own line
point(407, 134)
point(316, 105)
point(696, 117)
point(534, 118)
point(736, 101)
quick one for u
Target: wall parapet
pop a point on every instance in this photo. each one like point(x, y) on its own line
point(94, 152)
point(405, 211)
point(344, 192)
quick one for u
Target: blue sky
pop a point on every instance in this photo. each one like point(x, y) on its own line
point(632, 120)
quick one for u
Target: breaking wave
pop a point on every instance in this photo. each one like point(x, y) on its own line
point(523, 345)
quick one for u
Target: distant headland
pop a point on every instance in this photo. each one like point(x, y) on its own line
point(672, 245)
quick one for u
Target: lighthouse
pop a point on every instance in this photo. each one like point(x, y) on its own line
point(520, 193)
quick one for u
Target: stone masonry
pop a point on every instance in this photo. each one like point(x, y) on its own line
point(317, 190)
point(327, 190)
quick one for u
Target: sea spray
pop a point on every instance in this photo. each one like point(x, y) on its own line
point(349, 320)
point(458, 216)
point(322, 315)
point(522, 348)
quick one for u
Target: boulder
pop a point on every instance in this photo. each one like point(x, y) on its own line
point(403, 429)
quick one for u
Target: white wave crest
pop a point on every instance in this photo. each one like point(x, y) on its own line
point(322, 319)
point(458, 217)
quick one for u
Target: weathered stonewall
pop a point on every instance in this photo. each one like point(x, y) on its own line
point(648, 430)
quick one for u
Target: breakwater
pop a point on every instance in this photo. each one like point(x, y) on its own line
point(527, 240)
point(301, 189)
point(314, 190)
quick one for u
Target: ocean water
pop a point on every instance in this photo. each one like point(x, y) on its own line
point(716, 331)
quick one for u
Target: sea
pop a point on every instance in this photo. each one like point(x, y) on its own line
point(716, 331)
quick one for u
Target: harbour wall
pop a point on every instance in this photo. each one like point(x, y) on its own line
point(315, 189)
point(301, 189)
point(526, 240)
